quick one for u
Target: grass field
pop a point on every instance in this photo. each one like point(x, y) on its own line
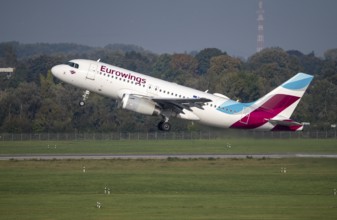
point(215, 146)
point(172, 188)
point(169, 189)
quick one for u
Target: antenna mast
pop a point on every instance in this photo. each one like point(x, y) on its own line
point(260, 35)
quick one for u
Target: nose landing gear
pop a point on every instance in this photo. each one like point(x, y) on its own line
point(85, 96)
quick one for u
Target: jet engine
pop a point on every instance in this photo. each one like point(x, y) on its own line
point(139, 104)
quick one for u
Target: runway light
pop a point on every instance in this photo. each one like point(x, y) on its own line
point(98, 205)
point(83, 169)
point(106, 190)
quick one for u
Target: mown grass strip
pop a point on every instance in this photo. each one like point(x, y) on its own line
point(169, 189)
point(218, 146)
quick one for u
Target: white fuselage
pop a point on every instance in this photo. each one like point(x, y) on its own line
point(143, 94)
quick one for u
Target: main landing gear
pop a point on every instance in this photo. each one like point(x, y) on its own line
point(164, 125)
point(85, 96)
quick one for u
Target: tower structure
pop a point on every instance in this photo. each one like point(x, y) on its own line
point(260, 34)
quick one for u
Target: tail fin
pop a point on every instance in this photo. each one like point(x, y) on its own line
point(273, 110)
point(285, 98)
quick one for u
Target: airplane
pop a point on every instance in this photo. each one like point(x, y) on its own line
point(151, 96)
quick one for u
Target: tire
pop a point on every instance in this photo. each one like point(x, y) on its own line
point(164, 126)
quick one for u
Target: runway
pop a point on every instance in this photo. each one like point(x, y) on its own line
point(157, 156)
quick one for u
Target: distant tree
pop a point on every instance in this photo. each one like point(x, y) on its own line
point(125, 48)
point(244, 86)
point(137, 62)
point(19, 108)
point(54, 113)
point(219, 68)
point(161, 68)
point(322, 99)
point(114, 58)
point(328, 71)
point(184, 69)
point(308, 63)
point(204, 57)
point(274, 65)
point(331, 54)
point(8, 55)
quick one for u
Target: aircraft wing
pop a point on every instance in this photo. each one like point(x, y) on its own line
point(178, 105)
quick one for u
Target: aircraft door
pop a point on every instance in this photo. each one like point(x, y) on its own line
point(92, 71)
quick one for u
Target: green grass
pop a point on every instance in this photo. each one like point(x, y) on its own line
point(169, 189)
point(218, 146)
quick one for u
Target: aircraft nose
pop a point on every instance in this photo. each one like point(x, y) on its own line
point(57, 70)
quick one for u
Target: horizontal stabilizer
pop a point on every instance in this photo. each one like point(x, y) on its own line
point(287, 123)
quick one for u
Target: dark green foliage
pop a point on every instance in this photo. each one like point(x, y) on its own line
point(33, 101)
point(204, 58)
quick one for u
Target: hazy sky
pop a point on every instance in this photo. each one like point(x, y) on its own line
point(168, 26)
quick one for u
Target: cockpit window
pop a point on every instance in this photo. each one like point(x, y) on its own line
point(72, 64)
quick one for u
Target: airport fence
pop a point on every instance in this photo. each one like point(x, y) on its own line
point(183, 135)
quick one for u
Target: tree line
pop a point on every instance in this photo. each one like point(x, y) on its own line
point(32, 100)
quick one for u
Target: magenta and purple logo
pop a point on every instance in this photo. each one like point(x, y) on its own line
point(117, 73)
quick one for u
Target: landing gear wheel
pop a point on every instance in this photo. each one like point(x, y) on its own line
point(85, 96)
point(164, 126)
point(81, 103)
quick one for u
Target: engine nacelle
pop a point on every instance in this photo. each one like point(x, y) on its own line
point(140, 105)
